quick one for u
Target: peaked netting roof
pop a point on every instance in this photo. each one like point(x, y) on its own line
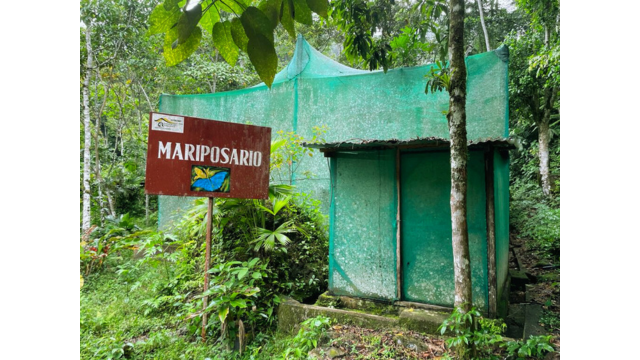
point(307, 63)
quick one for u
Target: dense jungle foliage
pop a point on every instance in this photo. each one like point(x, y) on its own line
point(141, 293)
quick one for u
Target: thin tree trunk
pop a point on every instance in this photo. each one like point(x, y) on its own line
point(543, 154)
point(97, 155)
point(544, 137)
point(457, 119)
point(543, 130)
point(146, 209)
point(484, 27)
point(86, 175)
point(112, 203)
point(546, 37)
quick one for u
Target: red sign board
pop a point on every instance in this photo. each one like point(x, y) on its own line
point(189, 156)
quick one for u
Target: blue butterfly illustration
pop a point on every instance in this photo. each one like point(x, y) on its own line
point(211, 184)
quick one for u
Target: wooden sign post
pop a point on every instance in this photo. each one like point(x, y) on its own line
point(207, 260)
point(188, 156)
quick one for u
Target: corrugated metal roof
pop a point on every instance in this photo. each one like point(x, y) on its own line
point(363, 144)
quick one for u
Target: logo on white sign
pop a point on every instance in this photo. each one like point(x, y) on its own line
point(161, 122)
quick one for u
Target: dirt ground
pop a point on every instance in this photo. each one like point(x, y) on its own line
point(352, 342)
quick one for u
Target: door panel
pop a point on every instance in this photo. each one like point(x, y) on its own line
point(427, 255)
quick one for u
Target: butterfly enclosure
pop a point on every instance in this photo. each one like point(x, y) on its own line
point(384, 181)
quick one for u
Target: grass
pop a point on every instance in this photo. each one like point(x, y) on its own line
point(115, 321)
point(118, 321)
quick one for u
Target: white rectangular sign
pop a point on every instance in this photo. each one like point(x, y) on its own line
point(170, 123)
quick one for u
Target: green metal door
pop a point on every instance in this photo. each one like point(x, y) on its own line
point(427, 255)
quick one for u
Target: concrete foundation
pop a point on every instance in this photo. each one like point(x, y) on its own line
point(291, 313)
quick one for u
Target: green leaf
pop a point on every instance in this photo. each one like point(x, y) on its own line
point(171, 4)
point(241, 303)
point(284, 240)
point(222, 313)
point(224, 42)
point(253, 262)
point(175, 54)
point(238, 35)
point(280, 203)
point(242, 273)
point(319, 7)
point(286, 17)
point(302, 12)
point(188, 22)
point(263, 56)
point(232, 6)
point(209, 19)
point(162, 20)
point(266, 209)
point(255, 23)
point(271, 8)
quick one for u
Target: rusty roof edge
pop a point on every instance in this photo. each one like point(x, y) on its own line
point(352, 144)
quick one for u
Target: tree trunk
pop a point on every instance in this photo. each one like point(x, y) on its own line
point(544, 136)
point(543, 154)
point(97, 155)
point(86, 175)
point(484, 27)
point(457, 119)
point(112, 203)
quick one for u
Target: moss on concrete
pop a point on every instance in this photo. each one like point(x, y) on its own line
point(328, 300)
point(369, 306)
point(291, 313)
point(424, 321)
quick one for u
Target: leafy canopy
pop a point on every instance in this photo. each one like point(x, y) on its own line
point(233, 25)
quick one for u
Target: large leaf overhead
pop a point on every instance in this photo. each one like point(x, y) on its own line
point(239, 36)
point(302, 12)
point(271, 8)
point(286, 17)
point(319, 7)
point(224, 42)
point(209, 19)
point(234, 25)
point(174, 52)
point(255, 23)
point(263, 56)
point(162, 19)
point(188, 22)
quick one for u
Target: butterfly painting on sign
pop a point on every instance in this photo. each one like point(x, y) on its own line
point(210, 178)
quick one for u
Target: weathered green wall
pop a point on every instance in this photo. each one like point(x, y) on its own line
point(427, 254)
point(362, 255)
point(362, 248)
point(501, 200)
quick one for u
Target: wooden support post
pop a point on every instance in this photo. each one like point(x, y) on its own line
point(398, 230)
point(146, 210)
point(206, 268)
point(491, 232)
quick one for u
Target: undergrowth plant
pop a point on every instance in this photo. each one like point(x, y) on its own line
point(307, 338)
point(106, 242)
point(535, 217)
point(535, 346)
point(473, 337)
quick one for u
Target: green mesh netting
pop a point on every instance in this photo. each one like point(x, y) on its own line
point(314, 90)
